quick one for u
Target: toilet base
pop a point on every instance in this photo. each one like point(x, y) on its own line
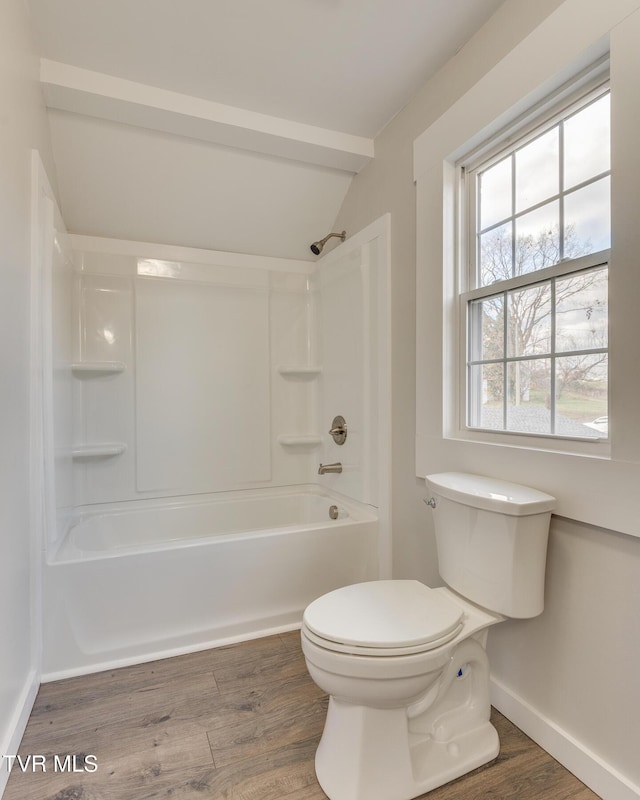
point(369, 753)
point(388, 762)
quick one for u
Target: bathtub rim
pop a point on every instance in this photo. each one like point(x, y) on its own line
point(358, 513)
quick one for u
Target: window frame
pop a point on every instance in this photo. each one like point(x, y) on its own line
point(569, 99)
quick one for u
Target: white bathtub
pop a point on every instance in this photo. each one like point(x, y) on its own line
point(142, 580)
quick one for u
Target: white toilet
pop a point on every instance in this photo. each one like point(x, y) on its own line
point(405, 665)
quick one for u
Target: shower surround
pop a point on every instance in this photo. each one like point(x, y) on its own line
point(191, 396)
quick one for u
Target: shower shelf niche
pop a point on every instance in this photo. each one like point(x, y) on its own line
point(98, 450)
point(303, 440)
point(89, 369)
point(300, 372)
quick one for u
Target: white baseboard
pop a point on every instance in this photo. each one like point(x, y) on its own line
point(12, 736)
point(588, 767)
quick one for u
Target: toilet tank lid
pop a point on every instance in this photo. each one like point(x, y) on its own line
point(490, 494)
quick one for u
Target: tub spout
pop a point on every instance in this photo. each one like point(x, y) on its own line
point(324, 468)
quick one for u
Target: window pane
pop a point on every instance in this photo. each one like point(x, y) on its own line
point(537, 239)
point(582, 311)
point(529, 394)
point(495, 193)
point(537, 170)
point(587, 215)
point(486, 321)
point(496, 255)
point(486, 384)
point(586, 143)
point(529, 321)
point(581, 396)
point(540, 204)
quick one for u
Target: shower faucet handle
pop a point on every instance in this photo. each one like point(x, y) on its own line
point(338, 430)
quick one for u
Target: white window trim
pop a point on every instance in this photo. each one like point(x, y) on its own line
point(598, 489)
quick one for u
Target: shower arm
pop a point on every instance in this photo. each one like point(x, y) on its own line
point(342, 236)
point(316, 247)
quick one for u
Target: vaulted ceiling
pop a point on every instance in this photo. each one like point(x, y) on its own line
point(230, 124)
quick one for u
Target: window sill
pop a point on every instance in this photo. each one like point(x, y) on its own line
point(593, 487)
point(583, 448)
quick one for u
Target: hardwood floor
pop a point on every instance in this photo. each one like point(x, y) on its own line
point(239, 722)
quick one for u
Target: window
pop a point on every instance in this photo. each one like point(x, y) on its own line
point(535, 302)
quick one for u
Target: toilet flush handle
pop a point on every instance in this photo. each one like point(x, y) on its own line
point(431, 502)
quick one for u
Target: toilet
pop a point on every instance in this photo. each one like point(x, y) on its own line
point(405, 666)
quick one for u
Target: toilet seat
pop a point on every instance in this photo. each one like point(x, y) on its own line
point(350, 649)
point(383, 618)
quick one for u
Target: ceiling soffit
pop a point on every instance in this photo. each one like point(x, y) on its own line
point(94, 94)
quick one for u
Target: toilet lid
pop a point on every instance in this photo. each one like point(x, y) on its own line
point(384, 614)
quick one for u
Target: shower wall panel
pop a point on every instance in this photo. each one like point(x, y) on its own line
point(104, 400)
point(347, 287)
point(58, 353)
point(183, 384)
point(202, 385)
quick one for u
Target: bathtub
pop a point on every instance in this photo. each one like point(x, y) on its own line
point(137, 581)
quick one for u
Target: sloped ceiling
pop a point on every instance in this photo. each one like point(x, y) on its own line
point(235, 124)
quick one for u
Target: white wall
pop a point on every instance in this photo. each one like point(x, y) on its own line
point(553, 674)
point(127, 182)
point(22, 127)
point(568, 677)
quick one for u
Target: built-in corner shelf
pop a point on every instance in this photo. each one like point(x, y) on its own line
point(299, 372)
point(309, 440)
point(88, 369)
point(83, 452)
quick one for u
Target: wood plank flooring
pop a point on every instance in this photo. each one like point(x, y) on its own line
point(239, 722)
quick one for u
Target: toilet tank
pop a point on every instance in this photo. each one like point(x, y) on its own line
point(492, 540)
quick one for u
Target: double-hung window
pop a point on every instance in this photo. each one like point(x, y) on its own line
point(535, 298)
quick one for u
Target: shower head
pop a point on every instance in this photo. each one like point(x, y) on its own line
point(316, 247)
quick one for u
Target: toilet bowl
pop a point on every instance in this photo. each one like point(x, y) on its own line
point(405, 666)
point(409, 704)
